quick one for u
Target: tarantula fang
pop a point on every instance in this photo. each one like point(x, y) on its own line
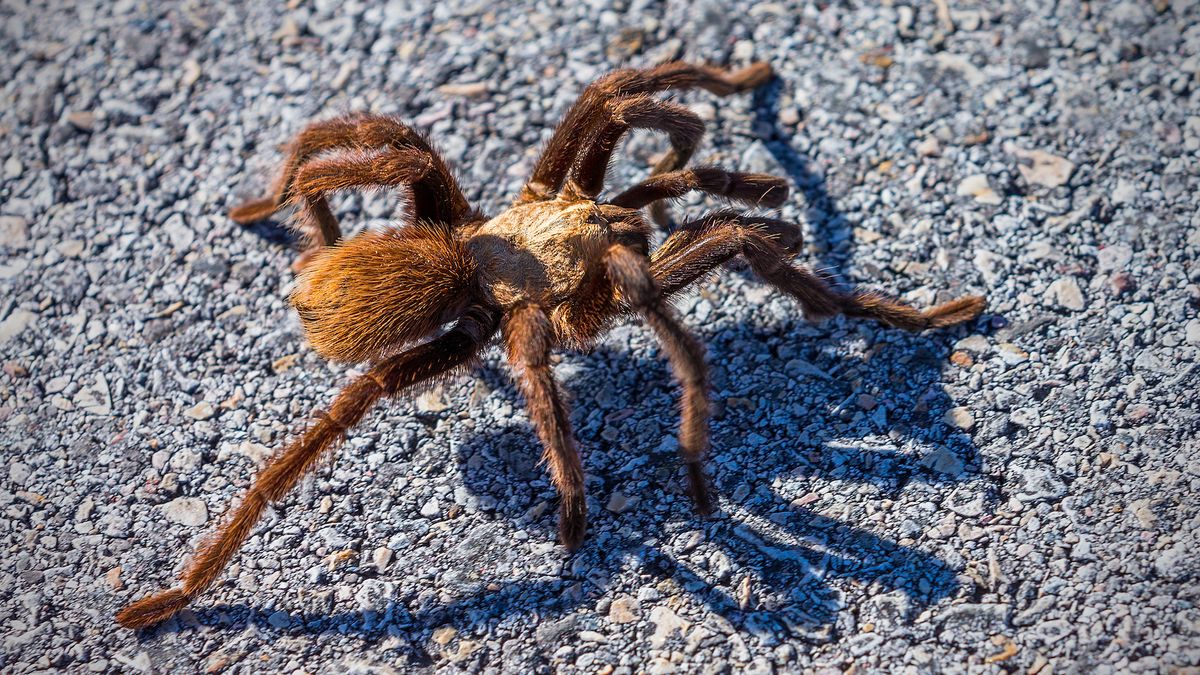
point(555, 269)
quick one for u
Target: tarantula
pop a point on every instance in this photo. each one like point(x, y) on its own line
point(556, 268)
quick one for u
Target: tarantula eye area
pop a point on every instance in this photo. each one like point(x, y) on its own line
point(374, 293)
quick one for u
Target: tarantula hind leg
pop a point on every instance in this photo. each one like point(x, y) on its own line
point(441, 355)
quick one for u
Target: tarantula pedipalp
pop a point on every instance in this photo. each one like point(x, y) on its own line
point(555, 269)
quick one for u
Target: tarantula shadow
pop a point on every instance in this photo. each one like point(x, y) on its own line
point(795, 553)
point(556, 269)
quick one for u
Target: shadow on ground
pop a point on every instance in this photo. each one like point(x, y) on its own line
point(797, 557)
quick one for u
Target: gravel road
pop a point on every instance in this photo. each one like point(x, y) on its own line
point(1018, 495)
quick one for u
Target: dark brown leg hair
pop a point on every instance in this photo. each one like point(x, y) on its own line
point(436, 198)
point(630, 273)
point(359, 132)
point(702, 245)
point(682, 126)
point(751, 189)
point(387, 378)
point(387, 168)
point(528, 337)
point(589, 110)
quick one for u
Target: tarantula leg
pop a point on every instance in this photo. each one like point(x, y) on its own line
point(351, 132)
point(589, 110)
point(387, 378)
point(528, 336)
point(387, 168)
point(751, 189)
point(702, 245)
point(630, 275)
point(682, 126)
point(437, 199)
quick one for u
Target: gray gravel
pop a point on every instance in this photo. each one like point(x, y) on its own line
point(1017, 495)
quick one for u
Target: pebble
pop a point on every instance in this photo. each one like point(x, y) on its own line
point(178, 233)
point(1041, 168)
point(666, 623)
point(113, 577)
point(95, 398)
point(444, 635)
point(201, 411)
point(1114, 257)
point(1192, 332)
point(84, 120)
point(625, 609)
point(943, 460)
point(960, 417)
point(187, 511)
point(15, 323)
point(279, 619)
point(382, 557)
point(465, 89)
point(431, 508)
point(1065, 293)
point(432, 401)
point(1126, 192)
point(14, 232)
point(618, 503)
point(977, 186)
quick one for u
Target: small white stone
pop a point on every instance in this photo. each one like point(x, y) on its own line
point(1192, 332)
point(1066, 293)
point(666, 622)
point(1041, 168)
point(15, 323)
point(1114, 257)
point(186, 511)
point(1125, 192)
point(625, 609)
point(70, 248)
point(381, 558)
point(95, 399)
point(976, 344)
point(432, 400)
point(431, 508)
point(977, 186)
point(201, 411)
point(257, 452)
point(944, 461)
point(14, 231)
point(960, 417)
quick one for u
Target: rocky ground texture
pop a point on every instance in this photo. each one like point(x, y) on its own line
point(1017, 495)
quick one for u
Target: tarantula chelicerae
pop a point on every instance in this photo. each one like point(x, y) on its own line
point(557, 268)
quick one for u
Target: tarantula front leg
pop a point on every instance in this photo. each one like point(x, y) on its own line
point(573, 133)
point(681, 125)
point(698, 247)
point(438, 200)
point(751, 189)
point(387, 168)
point(630, 274)
point(387, 378)
point(528, 336)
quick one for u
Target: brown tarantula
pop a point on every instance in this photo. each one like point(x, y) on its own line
point(556, 268)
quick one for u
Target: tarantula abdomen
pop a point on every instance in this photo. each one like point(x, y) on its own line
point(369, 295)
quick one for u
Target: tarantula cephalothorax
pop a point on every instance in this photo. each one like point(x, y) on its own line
point(556, 268)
